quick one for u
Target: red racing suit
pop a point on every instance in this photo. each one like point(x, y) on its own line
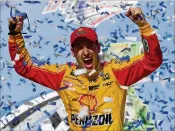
point(103, 97)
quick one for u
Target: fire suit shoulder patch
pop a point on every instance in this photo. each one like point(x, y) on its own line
point(145, 45)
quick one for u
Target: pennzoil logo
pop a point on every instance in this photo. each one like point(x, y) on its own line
point(81, 31)
point(88, 100)
point(92, 120)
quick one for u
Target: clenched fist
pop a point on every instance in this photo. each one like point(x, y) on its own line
point(136, 15)
point(15, 26)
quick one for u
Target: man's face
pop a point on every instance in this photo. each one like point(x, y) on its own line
point(86, 53)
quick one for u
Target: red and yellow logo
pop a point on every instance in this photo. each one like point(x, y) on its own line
point(81, 31)
point(88, 100)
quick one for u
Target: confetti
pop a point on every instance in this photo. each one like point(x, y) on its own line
point(164, 112)
point(83, 112)
point(27, 36)
point(3, 79)
point(33, 84)
point(51, 21)
point(47, 113)
point(150, 129)
point(38, 62)
point(155, 27)
point(80, 72)
point(6, 3)
point(61, 27)
point(32, 2)
point(122, 15)
point(153, 116)
point(52, 103)
point(162, 101)
point(28, 126)
point(131, 38)
point(39, 21)
point(92, 72)
point(107, 99)
point(69, 54)
point(136, 30)
point(148, 116)
point(169, 119)
point(160, 123)
point(139, 123)
point(62, 50)
point(23, 81)
point(2, 65)
point(42, 94)
point(34, 89)
point(162, 4)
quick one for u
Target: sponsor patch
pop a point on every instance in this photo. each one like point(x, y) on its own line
point(108, 83)
point(81, 31)
point(94, 87)
point(145, 45)
point(88, 100)
point(106, 77)
point(103, 119)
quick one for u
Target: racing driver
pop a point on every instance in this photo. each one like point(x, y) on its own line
point(90, 89)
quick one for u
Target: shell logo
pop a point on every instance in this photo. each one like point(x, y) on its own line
point(88, 100)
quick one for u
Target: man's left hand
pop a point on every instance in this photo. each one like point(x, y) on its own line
point(136, 15)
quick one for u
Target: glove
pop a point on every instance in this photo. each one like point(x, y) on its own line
point(136, 15)
point(15, 26)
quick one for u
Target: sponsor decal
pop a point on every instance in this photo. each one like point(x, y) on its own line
point(74, 78)
point(106, 77)
point(94, 87)
point(81, 31)
point(95, 80)
point(108, 83)
point(103, 119)
point(145, 45)
point(88, 100)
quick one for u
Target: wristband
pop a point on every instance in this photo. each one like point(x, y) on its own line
point(13, 33)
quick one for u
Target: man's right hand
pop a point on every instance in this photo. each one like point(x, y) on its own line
point(15, 26)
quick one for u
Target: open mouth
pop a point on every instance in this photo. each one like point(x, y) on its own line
point(88, 63)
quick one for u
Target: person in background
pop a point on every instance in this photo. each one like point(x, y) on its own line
point(138, 116)
point(90, 89)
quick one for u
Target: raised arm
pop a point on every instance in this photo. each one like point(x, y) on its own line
point(47, 75)
point(138, 67)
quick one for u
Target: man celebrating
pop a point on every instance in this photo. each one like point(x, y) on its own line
point(90, 89)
